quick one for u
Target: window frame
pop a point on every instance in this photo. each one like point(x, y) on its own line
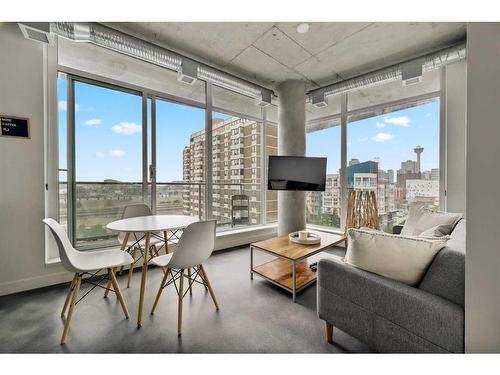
point(345, 116)
point(73, 75)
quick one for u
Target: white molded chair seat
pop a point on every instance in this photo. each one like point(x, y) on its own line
point(96, 260)
point(162, 260)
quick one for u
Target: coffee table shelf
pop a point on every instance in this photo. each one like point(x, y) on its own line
point(279, 271)
point(290, 270)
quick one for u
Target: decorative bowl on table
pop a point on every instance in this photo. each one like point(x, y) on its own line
point(311, 239)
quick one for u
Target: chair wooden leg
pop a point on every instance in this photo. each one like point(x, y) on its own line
point(143, 280)
point(123, 248)
point(179, 306)
point(329, 332)
point(209, 286)
point(166, 242)
point(109, 284)
point(163, 282)
point(202, 279)
point(118, 292)
point(190, 283)
point(68, 297)
point(74, 297)
point(131, 269)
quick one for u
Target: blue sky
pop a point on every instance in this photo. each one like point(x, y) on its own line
point(390, 137)
point(109, 136)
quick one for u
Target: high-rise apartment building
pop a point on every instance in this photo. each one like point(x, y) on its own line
point(236, 145)
point(323, 208)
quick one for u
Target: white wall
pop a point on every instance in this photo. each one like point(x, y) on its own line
point(22, 264)
point(482, 270)
point(456, 94)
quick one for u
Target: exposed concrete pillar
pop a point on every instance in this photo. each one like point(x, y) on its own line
point(291, 142)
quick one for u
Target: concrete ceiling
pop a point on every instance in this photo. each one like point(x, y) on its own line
point(269, 53)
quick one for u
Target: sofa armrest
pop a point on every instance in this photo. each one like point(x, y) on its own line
point(424, 314)
point(396, 229)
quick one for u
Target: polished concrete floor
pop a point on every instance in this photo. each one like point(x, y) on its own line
point(254, 317)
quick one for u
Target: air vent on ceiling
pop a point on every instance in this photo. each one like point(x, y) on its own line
point(264, 99)
point(188, 72)
point(411, 73)
point(37, 31)
point(319, 99)
point(412, 81)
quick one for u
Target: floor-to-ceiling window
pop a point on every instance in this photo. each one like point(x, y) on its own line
point(323, 140)
point(180, 158)
point(396, 155)
point(108, 158)
point(392, 148)
point(238, 146)
point(62, 131)
point(140, 136)
point(271, 149)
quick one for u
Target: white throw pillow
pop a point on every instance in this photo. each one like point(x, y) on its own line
point(397, 257)
point(421, 219)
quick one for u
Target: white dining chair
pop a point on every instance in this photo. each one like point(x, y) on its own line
point(136, 241)
point(83, 263)
point(195, 246)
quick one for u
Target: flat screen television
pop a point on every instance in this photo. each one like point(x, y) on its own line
point(296, 173)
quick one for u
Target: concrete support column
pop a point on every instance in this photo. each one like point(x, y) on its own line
point(291, 142)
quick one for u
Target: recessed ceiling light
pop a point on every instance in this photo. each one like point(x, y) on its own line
point(302, 28)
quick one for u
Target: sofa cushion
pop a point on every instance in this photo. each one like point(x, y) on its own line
point(400, 258)
point(446, 274)
point(437, 231)
point(421, 219)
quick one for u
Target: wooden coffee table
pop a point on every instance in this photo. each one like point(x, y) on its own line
point(290, 270)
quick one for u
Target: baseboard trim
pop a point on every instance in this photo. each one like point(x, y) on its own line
point(34, 282)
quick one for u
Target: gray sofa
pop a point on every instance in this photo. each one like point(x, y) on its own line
point(393, 317)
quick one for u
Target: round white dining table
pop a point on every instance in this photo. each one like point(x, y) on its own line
point(149, 225)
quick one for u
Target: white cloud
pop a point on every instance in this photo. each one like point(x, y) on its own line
point(401, 121)
point(380, 125)
point(126, 128)
point(93, 122)
point(99, 154)
point(117, 153)
point(62, 105)
point(382, 137)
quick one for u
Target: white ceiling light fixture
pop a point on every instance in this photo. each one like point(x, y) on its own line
point(302, 28)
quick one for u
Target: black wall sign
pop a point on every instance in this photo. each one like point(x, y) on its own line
point(11, 126)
